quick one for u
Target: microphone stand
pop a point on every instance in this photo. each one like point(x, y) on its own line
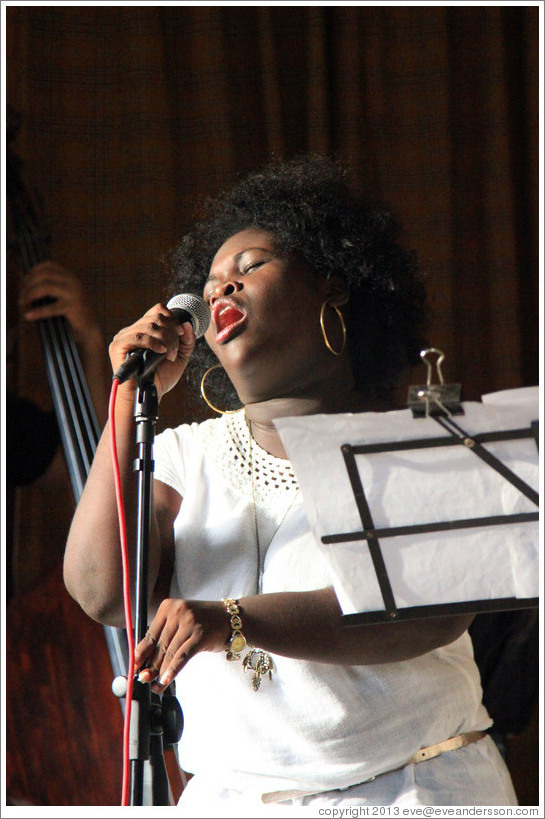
point(149, 781)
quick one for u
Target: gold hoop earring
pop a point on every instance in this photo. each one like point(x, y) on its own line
point(219, 411)
point(343, 327)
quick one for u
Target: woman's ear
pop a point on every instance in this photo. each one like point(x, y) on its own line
point(336, 291)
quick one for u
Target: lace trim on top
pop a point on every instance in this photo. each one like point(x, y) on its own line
point(229, 445)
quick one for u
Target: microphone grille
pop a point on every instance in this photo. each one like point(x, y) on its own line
point(196, 307)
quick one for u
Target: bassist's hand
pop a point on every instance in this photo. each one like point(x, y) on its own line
point(49, 290)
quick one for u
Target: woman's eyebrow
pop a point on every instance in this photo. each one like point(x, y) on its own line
point(249, 249)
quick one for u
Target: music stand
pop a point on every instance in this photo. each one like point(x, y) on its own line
point(382, 546)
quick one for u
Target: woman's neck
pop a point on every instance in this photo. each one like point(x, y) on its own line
point(261, 414)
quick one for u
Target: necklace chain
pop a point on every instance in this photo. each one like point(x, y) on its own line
point(260, 566)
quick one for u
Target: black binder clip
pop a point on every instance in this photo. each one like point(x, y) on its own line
point(434, 399)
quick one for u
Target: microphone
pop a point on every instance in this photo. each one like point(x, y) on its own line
point(141, 363)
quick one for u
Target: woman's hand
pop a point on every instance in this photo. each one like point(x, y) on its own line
point(180, 629)
point(160, 332)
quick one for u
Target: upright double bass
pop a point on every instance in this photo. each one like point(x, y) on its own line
point(63, 723)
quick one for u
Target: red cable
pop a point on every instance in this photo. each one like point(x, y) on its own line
point(126, 594)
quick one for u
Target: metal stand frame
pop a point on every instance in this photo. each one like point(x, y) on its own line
point(370, 534)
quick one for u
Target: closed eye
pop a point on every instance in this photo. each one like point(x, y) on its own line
point(253, 266)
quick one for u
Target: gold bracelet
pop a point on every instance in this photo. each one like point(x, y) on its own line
point(237, 640)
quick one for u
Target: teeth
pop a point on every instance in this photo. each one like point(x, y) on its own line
point(223, 309)
point(225, 315)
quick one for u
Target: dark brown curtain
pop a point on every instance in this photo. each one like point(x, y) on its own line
point(131, 115)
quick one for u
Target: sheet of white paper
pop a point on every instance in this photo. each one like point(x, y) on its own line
point(419, 486)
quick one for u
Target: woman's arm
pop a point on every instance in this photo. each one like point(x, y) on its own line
point(92, 563)
point(301, 625)
point(308, 625)
point(92, 560)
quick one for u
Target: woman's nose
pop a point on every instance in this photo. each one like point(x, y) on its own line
point(223, 289)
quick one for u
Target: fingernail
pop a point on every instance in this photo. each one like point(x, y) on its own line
point(165, 679)
point(144, 676)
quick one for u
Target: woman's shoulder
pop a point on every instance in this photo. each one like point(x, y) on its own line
point(207, 440)
point(184, 451)
point(196, 430)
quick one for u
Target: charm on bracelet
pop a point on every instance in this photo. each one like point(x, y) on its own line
point(260, 662)
point(237, 640)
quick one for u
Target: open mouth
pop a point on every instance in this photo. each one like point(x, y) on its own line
point(226, 317)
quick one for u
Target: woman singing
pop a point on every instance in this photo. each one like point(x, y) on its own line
point(315, 308)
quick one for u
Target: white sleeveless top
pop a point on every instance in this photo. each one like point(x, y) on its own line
point(315, 726)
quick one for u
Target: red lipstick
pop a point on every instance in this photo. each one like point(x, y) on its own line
point(227, 317)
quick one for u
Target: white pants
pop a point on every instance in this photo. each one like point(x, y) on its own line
point(474, 775)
